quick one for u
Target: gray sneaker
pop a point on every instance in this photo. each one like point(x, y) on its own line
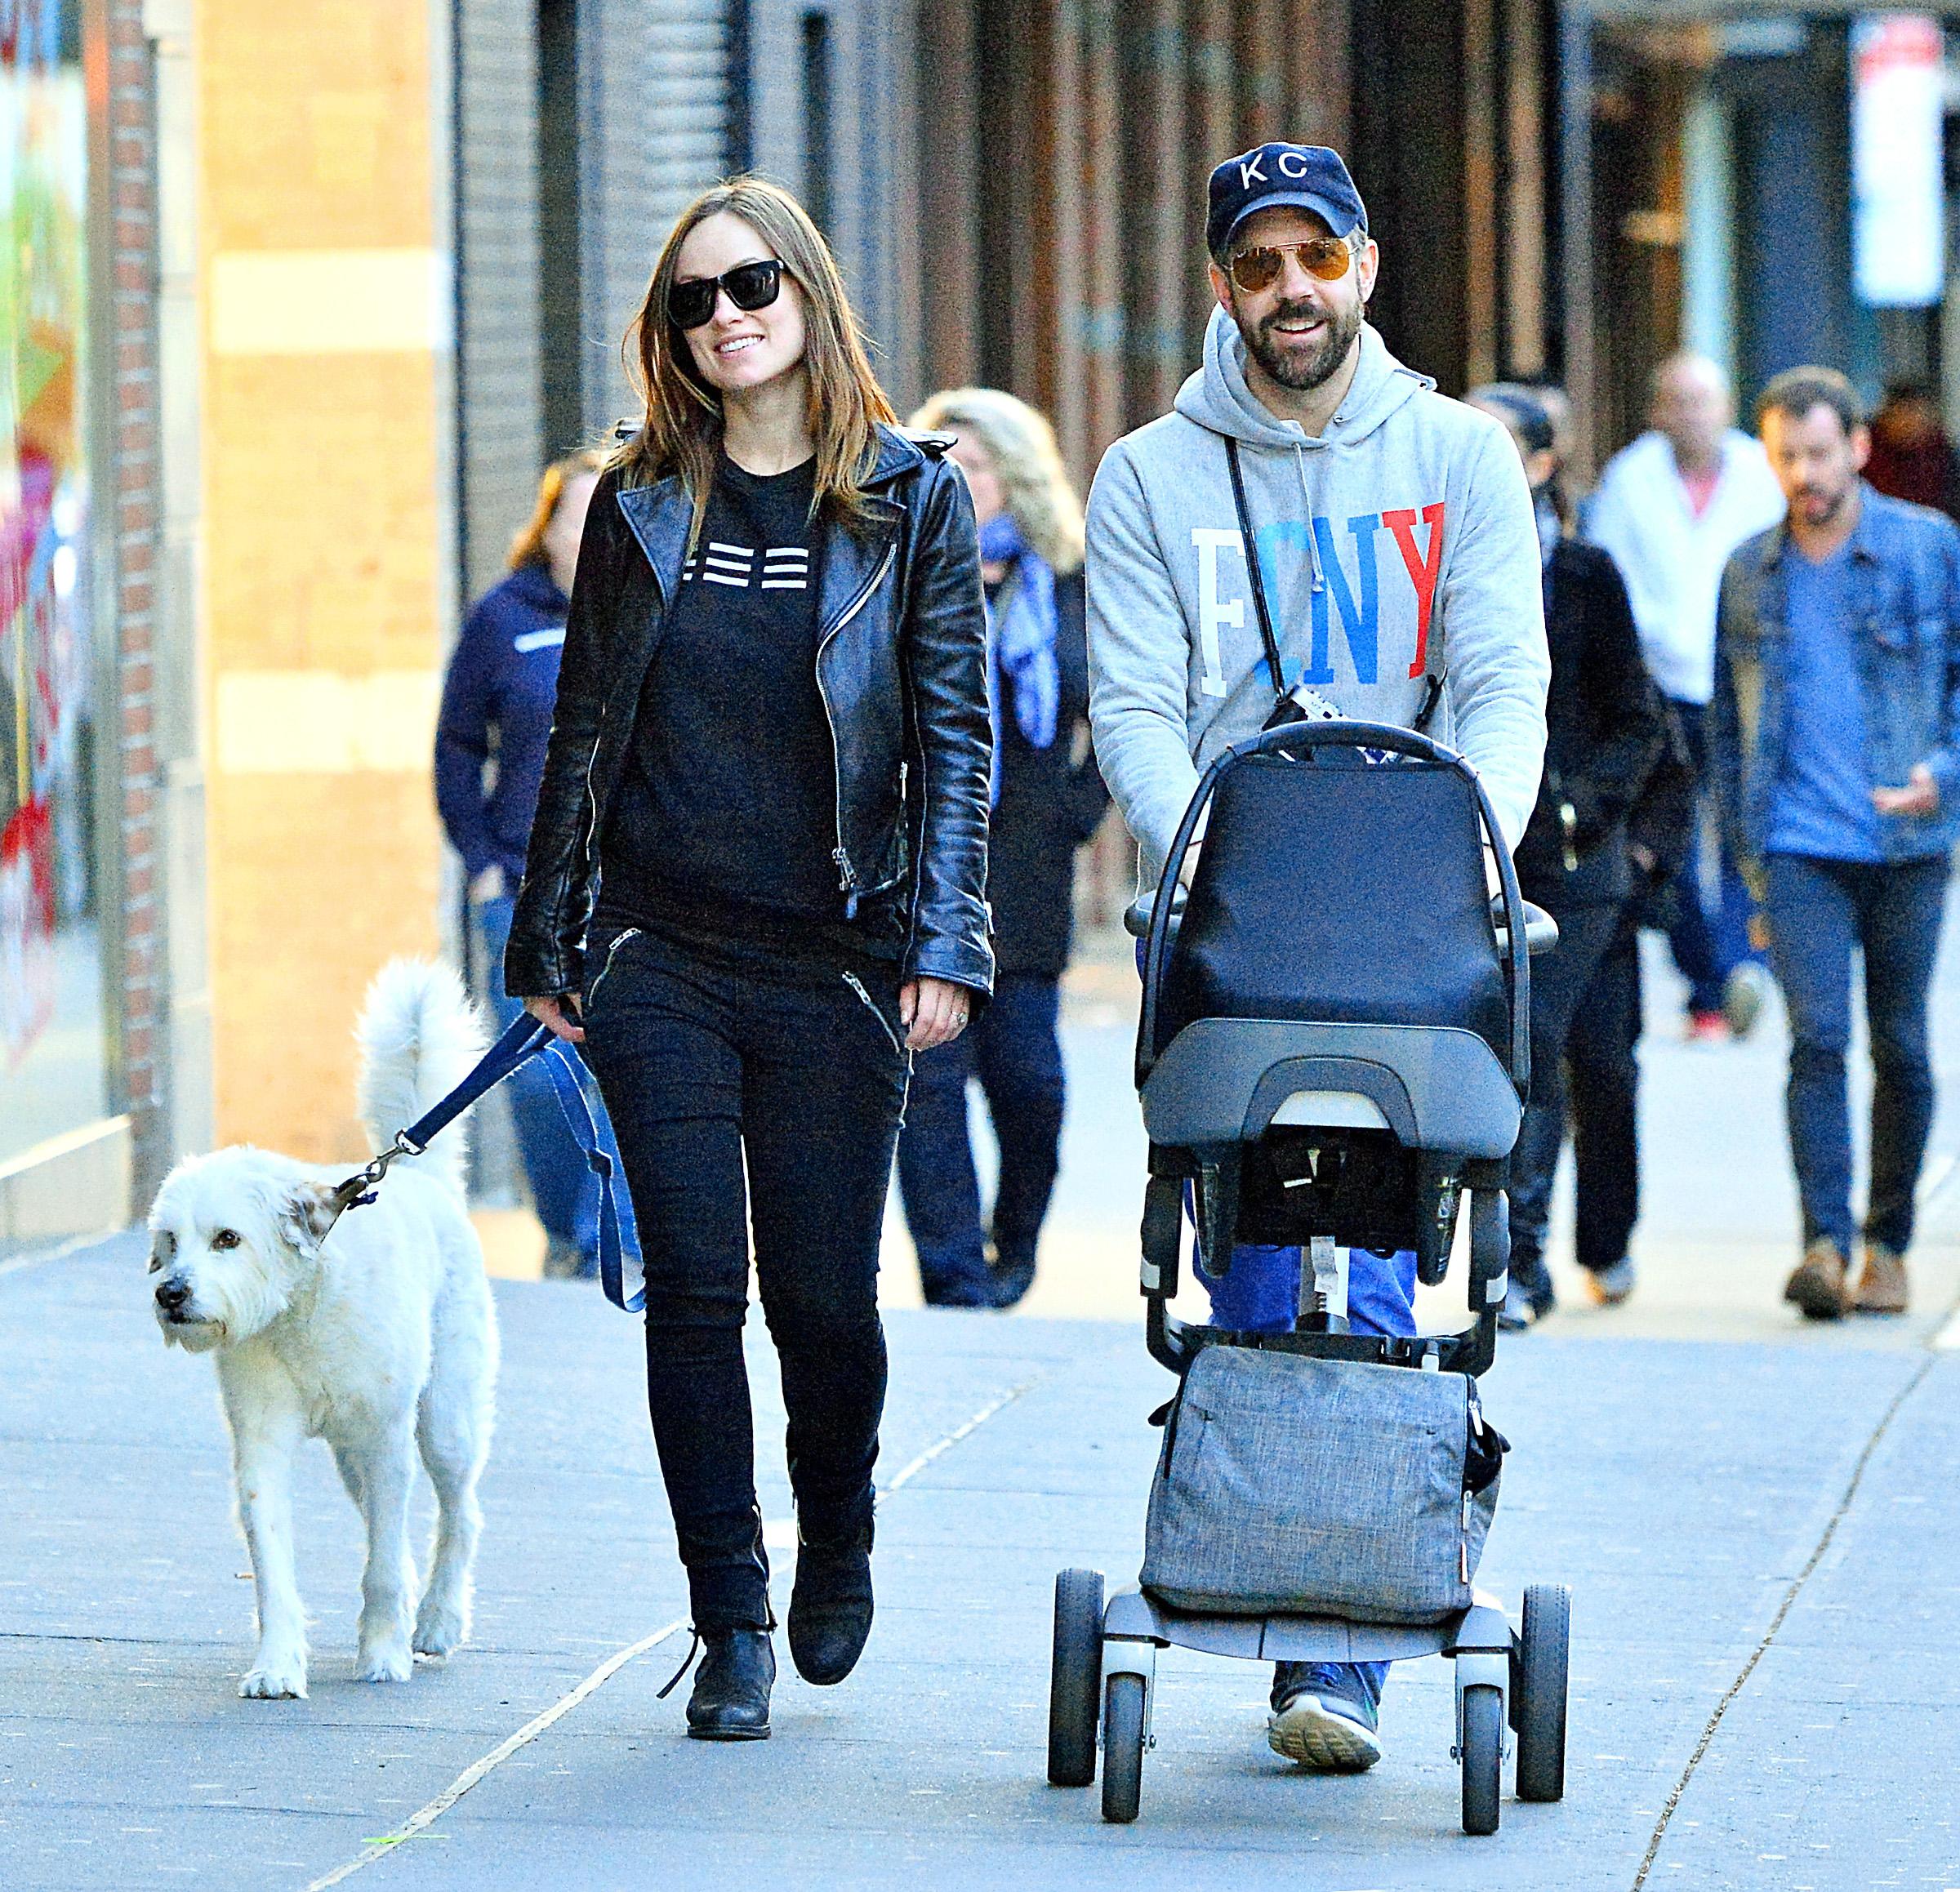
point(1324, 1716)
point(1743, 993)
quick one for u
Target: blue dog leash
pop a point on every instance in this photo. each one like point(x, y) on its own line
point(527, 1039)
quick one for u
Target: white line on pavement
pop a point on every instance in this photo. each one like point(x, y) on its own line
point(953, 1438)
point(425, 1817)
point(1947, 1340)
point(428, 1815)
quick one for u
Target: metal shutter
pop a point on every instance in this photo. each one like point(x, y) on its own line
point(499, 443)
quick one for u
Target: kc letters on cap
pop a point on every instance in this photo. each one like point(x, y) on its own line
point(1282, 176)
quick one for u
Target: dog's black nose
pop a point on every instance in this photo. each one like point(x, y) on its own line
point(172, 1294)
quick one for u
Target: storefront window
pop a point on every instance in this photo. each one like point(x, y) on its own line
point(53, 1039)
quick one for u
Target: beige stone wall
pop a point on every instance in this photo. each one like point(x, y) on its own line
point(325, 377)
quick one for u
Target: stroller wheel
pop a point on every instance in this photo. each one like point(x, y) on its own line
point(1075, 1681)
point(1123, 1748)
point(1483, 1756)
point(1540, 1706)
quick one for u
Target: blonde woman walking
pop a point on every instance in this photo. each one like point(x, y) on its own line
point(1048, 800)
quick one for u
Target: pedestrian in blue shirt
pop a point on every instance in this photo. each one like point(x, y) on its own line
point(1838, 746)
point(489, 757)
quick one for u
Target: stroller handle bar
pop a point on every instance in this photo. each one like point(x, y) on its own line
point(1541, 929)
point(1518, 926)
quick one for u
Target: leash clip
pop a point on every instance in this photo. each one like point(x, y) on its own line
point(359, 1190)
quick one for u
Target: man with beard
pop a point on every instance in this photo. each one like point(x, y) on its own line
point(1399, 559)
point(1836, 715)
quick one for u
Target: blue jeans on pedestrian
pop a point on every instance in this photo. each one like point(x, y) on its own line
point(1706, 945)
point(1014, 1048)
point(1820, 912)
point(1260, 1293)
point(563, 1192)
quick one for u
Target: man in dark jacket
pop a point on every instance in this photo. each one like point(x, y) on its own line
point(1603, 732)
point(1602, 1064)
point(1836, 717)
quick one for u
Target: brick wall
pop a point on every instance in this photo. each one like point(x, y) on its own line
point(131, 504)
point(327, 556)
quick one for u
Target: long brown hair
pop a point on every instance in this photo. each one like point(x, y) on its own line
point(528, 548)
point(682, 431)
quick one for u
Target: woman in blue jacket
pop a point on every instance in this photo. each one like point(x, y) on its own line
point(496, 709)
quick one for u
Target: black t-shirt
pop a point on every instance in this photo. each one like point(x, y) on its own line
point(728, 799)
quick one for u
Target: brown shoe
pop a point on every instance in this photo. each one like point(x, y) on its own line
point(1881, 1287)
point(1818, 1286)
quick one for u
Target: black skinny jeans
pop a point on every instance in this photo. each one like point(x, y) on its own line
point(1604, 1100)
point(1559, 980)
point(715, 1061)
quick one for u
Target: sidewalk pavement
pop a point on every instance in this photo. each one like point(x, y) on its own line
point(1697, 1498)
point(1760, 1521)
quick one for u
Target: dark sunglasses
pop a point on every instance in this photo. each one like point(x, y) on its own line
point(1324, 257)
point(750, 285)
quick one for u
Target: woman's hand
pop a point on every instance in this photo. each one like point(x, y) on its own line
point(558, 1015)
point(933, 1011)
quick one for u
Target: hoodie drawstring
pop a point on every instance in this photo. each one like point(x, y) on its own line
point(1313, 546)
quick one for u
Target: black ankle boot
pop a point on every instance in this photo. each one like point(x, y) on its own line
point(731, 1697)
point(831, 1607)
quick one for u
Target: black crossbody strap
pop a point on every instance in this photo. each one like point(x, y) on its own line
point(1252, 566)
point(1432, 692)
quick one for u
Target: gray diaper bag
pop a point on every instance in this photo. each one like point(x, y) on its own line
point(1289, 1485)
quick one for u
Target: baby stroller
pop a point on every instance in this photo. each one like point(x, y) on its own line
point(1334, 1050)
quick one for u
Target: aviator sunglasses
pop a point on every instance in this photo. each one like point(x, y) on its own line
point(750, 285)
point(1324, 257)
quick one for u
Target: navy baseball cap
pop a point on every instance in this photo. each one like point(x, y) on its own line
point(1282, 176)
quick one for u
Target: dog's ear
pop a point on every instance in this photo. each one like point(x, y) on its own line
point(305, 1214)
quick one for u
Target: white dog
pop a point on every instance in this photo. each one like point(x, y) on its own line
point(378, 1336)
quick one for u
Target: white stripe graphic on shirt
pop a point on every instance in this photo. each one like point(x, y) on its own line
point(784, 567)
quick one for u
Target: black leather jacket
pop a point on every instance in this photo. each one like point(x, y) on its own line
point(1604, 734)
point(902, 667)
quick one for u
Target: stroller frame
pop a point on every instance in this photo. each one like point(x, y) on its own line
point(1452, 1110)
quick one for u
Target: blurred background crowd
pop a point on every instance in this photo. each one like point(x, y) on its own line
point(301, 303)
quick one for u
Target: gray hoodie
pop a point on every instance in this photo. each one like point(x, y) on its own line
point(1399, 545)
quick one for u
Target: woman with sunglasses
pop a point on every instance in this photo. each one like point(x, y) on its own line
point(756, 886)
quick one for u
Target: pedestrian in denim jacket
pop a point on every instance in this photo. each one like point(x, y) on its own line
point(1837, 756)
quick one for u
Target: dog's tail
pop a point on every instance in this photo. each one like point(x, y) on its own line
point(419, 1036)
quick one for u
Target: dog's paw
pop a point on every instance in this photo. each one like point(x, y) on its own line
point(385, 1662)
point(275, 1681)
point(440, 1628)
